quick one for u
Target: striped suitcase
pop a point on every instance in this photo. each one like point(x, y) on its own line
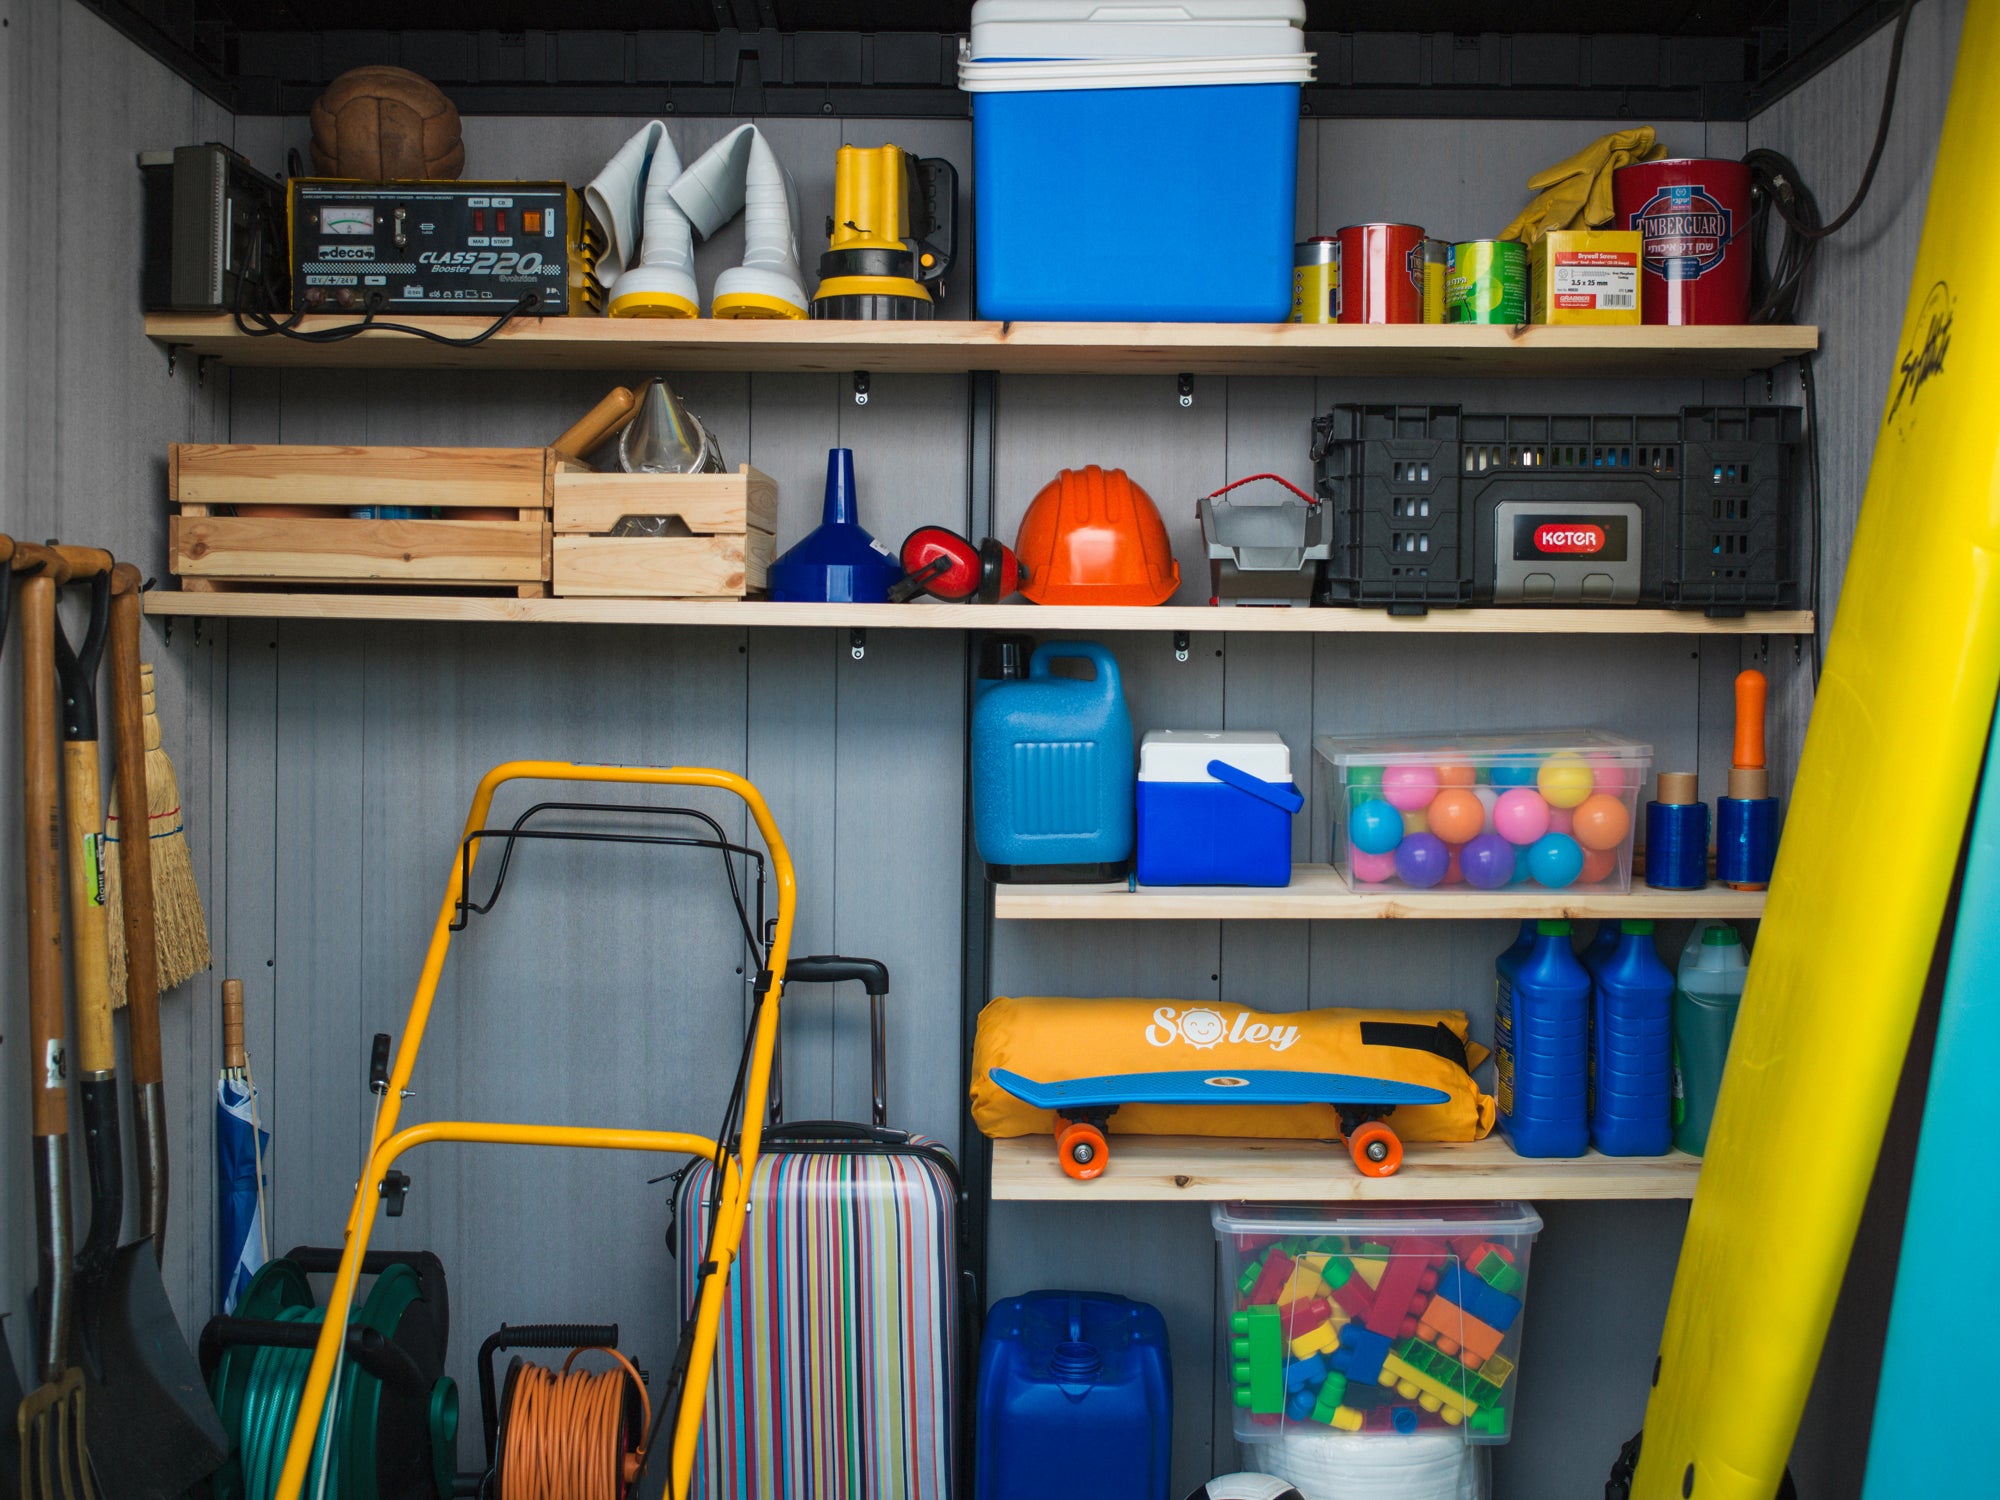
point(837, 1364)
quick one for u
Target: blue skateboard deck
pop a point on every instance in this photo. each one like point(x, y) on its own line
point(1196, 1086)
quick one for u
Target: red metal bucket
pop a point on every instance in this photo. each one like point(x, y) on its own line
point(1693, 219)
point(1381, 274)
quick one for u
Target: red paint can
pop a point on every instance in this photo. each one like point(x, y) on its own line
point(1693, 219)
point(1381, 274)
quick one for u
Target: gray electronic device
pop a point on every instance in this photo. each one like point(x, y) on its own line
point(214, 233)
point(1567, 552)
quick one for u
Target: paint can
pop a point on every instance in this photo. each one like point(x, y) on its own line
point(1381, 274)
point(1486, 281)
point(1316, 280)
point(1437, 257)
point(1693, 218)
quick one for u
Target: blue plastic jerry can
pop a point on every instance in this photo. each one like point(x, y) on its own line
point(1075, 1399)
point(1054, 770)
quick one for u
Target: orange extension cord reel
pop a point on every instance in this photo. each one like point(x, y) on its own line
point(1092, 536)
point(567, 1433)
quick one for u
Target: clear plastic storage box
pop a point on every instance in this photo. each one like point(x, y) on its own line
point(1394, 1318)
point(1480, 812)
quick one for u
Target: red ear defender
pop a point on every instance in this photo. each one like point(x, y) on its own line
point(943, 564)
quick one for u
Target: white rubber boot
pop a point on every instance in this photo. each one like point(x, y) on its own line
point(740, 171)
point(632, 201)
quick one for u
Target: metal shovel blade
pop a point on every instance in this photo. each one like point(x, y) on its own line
point(157, 1430)
point(54, 1462)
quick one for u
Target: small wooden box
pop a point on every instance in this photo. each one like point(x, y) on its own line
point(298, 531)
point(726, 528)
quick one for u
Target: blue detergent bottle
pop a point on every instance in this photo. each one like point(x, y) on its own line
point(1541, 1047)
point(1599, 947)
point(1054, 770)
point(1631, 1047)
point(1075, 1399)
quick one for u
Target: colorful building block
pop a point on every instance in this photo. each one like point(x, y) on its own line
point(1252, 1270)
point(1497, 1369)
point(1369, 1268)
point(1271, 1280)
point(1330, 1398)
point(1397, 1293)
point(1346, 1418)
point(1303, 1373)
point(1360, 1353)
point(1299, 1405)
point(1498, 1273)
point(1456, 1332)
point(1348, 1290)
point(1490, 1421)
point(1437, 1382)
point(1302, 1315)
point(1321, 1340)
point(1257, 1353)
point(1303, 1284)
point(1493, 1308)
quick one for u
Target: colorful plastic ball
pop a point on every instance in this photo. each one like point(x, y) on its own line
point(1488, 862)
point(1565, 779)
point(1375, 827)
point(1520, 816)
point(1422, 859)
point(1454, 872)
point(1366, 778)
point(1599, 865)
point(1457, 774)
point(1372, 868)
point(1489, 797)
point(1514, 773)
point(1457, 815)
point(1562, 820)
point(1602, 821)
point(1410, 786)
point(1609, 774)
point(1554, 860)
point(1416, 822)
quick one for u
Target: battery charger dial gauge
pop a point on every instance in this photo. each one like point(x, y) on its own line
point(346, 221)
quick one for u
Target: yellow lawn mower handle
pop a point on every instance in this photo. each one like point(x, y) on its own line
point(389, 1144)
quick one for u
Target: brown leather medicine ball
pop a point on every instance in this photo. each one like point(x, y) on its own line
point(380, 124)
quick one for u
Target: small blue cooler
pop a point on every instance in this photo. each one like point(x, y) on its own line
point(1215, 808)
point(1116, 187)
point(1075, 1399)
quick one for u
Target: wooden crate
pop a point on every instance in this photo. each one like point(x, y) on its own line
point(729, 520)
point(328, 547)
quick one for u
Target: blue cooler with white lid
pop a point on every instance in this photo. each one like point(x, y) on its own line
point(1135, 163)
point(1215, 808)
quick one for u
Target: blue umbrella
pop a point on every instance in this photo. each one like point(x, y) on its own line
point(243, 1240)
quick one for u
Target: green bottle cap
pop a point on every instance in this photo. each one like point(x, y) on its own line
point(1552, 927)
point(1720, 935)
point(1636, 926)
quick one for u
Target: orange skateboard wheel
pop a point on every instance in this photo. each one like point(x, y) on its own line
point(1081, 1149)
point(1376, 1150)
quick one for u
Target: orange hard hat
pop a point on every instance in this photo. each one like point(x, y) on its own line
point(1092, 536)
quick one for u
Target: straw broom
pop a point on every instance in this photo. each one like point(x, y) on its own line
point(177, 913)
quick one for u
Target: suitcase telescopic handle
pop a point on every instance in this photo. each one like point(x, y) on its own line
point(873, 976)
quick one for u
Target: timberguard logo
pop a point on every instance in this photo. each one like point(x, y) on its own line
point(1684, 231)
point(1569, 536)
point(1202, 1028)
point(1924, 356)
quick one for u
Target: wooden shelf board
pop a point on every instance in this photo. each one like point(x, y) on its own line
point(738, 613)
point(1197, 1169)
point(1318, 893)
point(952, 347)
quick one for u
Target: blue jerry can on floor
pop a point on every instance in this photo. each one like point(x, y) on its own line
point(1053, 771)
point(1075, 1399)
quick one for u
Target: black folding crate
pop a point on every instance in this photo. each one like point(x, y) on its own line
point(1434, 506)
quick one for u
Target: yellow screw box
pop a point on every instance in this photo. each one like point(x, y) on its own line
point(1584, 276)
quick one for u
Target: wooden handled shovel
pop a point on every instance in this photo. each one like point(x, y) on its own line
point(50, 1420)
point(154, 1432)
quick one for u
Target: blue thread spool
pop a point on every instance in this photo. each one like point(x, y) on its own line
point(1746, 841)
point(1677, 835)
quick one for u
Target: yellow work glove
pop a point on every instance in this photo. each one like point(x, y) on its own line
point(1576, 193)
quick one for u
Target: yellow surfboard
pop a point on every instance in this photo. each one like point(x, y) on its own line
point(1876, 821)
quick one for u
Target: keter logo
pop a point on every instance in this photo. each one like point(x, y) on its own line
point(1569, 536)
point(1684, 232)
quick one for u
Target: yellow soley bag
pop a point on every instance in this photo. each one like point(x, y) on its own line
point(1053, 1039)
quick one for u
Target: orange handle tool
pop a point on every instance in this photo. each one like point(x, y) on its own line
point(1751, 690)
